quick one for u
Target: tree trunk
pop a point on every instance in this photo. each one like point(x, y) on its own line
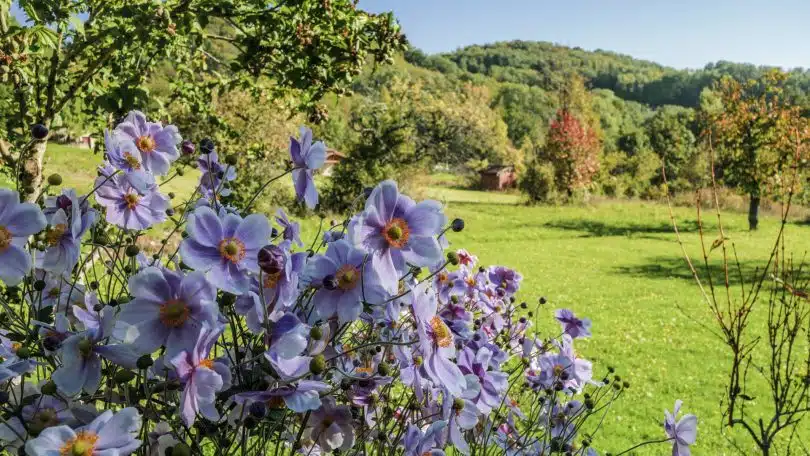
point(32, 166)
point(753, 213)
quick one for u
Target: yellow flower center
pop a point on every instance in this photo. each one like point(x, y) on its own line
point(470, 281)
point(15, 346)
point(441, 333)
point(55, 233)
point(174, 313)
point(232, 249)
point(145, 143)
point(132, 200)
point(442, 277)
point(347, 277)
point(558, 370)
point(209, 363)
point(271, 280)
point(132, 161)
point(396, 233)
point(5, 238)
point(82, 445)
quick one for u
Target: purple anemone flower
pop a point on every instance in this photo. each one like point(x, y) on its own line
point(682, 432)
point(18, 221)
point(418, 443)
point(398, 232)
point(300, 397)
point(493, 383)
point(306, 158)
point(108, 434)
point(157, 144)
point(67, 227)
point(345, 280)
point(461, 415)
point(213, 176)
point(436, 343)
point(572, 325)
point(225, 248)
point(291, 230)
point(124, 155)
point(60, 292)
point(331, 426)
point(37, 415)
point(505, 278)
point(125, 206)
point(201, 376)
point(82, 353)
point(168, 308)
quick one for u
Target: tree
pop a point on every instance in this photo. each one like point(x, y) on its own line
point(101, 53)
point(672, 138)
point(752, 131)
point(574, 139)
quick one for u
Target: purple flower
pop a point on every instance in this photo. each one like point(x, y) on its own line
point(168, 308)
point(157, 144)
point(60, 292)
point(417, 443)
point(572, 325)
point(108, 434)
point(306, 158)
point(67, 226)
point(331, 426)
point(493, 383)
point(225, 248)
point(213, 175)
point(202, 377)
point(398, 232)
point(350, 282)
point(505, 279)
point(461, 415)
point(564, 370)
point(682, 432)
point(81, 353)
point(18, 221)
point(301, 397)
point(436, 343)
point(124, 155)
point(125, 206)
point(39, 414)
point(291, 230)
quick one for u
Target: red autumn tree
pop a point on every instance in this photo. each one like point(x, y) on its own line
point(573, 148)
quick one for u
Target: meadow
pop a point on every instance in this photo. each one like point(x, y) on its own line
point(616, 262)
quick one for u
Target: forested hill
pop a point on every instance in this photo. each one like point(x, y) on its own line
point(546, 65)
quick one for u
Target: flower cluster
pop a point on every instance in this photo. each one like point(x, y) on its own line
point(377, 339)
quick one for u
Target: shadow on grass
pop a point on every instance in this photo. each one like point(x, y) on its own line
point(596, 228)
point(675, 267)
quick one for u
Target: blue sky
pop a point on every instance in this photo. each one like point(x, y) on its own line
point(679, 33)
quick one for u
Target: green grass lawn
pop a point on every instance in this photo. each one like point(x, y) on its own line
point(615, 262)
point(619, 264)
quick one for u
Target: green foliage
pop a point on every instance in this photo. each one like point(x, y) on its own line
point(538, 183)
point(301, 49)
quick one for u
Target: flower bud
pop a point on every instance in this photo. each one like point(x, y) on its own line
point(230, 160)
point(181, 449)
point(272, 259)
point(23, 353)
point(458, 404)
point(123, 376)
point(39, 131)
point(39, 285)
point(55, 180)
point(188, 147)
point(317, 365)
point(144, 362)
point(132, 250)
point(542, 300)
point(452, 258)
point(457, 225)
point(316, 333)
point(206, 146)
point(384, 369)
point(258, 410)
point(49, 388)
